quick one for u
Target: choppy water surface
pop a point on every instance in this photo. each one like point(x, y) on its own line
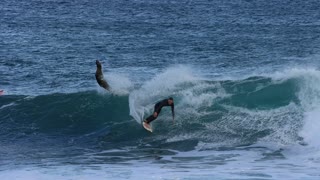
point(244, 76)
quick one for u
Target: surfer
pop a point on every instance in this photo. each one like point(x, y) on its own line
point(99, 77)
point(1, 92)
point(157, 109)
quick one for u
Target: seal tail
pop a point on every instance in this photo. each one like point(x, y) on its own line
point(104, 84)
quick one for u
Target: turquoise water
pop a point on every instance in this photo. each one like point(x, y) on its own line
point(244, 76)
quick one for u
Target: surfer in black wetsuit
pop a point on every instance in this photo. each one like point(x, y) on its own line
point(158, 107)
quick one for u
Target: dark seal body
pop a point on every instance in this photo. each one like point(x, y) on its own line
point(99, 77)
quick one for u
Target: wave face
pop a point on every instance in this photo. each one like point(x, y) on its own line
point(222, 113)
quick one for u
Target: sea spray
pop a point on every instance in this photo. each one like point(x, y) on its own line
point(163, 85)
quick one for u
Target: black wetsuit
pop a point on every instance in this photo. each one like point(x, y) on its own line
point(157, 108)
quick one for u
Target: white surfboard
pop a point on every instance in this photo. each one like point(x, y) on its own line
point(147, 126)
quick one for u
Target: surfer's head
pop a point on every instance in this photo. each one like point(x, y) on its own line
point(170, 100)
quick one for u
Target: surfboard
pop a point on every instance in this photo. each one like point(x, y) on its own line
point(147, 126)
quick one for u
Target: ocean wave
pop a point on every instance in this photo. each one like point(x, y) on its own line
point(235, 112)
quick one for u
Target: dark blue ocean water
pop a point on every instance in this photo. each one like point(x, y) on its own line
point(244, 75)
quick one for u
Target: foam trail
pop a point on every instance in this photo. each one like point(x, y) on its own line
point(136, 110)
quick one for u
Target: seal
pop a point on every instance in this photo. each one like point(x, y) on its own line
point(99, 77)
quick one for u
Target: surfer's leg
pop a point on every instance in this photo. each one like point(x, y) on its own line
point(150, 118)
point(153, 116)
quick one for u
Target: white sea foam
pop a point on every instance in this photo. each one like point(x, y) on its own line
point(7, 105)
point(308, 92)
point(311, 129)
point(120, 84)
point(309, 97)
